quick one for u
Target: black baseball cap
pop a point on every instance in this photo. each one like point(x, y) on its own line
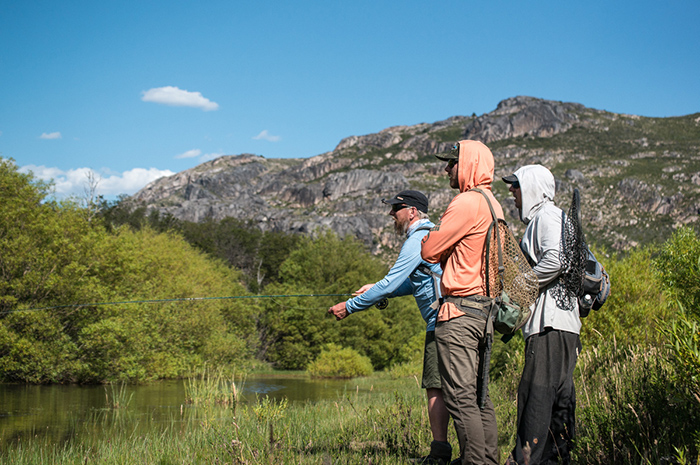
point(410, 198)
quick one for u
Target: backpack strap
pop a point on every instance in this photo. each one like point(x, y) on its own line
point(426, 269)
point(488, 334)
point(493, 227)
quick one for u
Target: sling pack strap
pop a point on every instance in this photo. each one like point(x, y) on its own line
point(493, 227)
point(426, 269)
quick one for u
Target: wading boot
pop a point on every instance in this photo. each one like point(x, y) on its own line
point(440, 454)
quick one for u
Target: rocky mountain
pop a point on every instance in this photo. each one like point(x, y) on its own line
point(639, 177)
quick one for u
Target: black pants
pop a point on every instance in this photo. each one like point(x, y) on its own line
point(547, 398)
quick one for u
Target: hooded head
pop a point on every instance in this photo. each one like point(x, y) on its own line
point(475, 164)
point(537, 186)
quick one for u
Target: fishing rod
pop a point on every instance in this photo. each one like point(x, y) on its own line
point(382, 304)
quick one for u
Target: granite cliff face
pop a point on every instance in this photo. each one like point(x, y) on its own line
point(639, 177)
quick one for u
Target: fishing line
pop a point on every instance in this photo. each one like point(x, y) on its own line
point(182, 299)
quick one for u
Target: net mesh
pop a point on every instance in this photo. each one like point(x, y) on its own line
point(519, 280)
point(573, 254)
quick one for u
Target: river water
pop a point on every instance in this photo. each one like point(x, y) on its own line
point(56, 412)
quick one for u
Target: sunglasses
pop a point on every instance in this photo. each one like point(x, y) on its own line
point(516, 185)
point(397, 207)
point(451, 163)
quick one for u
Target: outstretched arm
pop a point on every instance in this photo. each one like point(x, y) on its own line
point(339, 311)
point(363, 289)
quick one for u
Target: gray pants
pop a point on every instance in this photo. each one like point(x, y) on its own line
point(547, 398)
point(460, 357)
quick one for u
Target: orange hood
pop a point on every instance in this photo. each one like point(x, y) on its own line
point(475, 166)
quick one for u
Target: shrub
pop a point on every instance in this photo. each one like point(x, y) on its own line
point(631, 407)
point(409, 361)
point(339, 362)
point(635, 306)
point(683, 336)
point(678, 265)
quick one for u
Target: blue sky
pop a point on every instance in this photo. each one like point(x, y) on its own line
point(136, 90)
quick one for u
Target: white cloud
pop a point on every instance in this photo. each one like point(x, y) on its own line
point(175, 97)
point(265, 135)
point(189, 154)
point(51, 135)
point(73, 183)
point(196, 153)
point(210, 156)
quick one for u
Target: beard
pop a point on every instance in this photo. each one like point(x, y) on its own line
point(401, 227)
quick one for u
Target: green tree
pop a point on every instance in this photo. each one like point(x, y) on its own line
point(678, 264)
point(636, 304)
point(239, 243)
point(53, 257)
point(164, 339)
point(294, 329)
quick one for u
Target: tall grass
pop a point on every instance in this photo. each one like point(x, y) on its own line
point(631, 410)
point(379, 426)
point(117, 397)
point(213, 387)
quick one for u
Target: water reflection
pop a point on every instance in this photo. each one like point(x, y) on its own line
point(57, 413)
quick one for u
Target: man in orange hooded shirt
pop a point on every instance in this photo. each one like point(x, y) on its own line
point(457, 242)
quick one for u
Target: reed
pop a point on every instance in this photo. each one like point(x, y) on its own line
point(213, 387)
point(626, 416)
point(117, 397)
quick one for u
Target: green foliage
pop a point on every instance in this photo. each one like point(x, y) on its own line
point(640, 367)
point(335, 361)
point(238, 243)
point(678, 264)
point(294, 329)
point(412, 350)
point(257, 254)
point(212, 387)
point(632, 408)
point(34, 348)
point(53, 255)
point(145, 341)
point(683, 337)
point(636, 304)
point(43, 245)
point(408, 362)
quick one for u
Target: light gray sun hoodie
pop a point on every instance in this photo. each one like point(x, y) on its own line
point(541, 244)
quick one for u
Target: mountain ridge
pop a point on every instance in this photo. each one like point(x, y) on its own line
point(639, 176)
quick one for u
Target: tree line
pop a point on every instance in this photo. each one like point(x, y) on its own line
point(58, 258)
point(55, 255)
point(99, 297)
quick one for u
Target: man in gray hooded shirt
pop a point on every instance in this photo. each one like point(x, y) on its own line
point(546, 395)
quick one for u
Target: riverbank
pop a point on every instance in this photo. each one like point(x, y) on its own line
point(632, 408)
point(383, 420)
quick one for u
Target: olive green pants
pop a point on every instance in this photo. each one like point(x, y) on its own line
point(460, 356)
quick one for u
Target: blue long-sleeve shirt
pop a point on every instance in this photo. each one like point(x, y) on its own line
point(404, 278)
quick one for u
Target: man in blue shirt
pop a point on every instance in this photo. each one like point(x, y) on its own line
point(412, 275)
